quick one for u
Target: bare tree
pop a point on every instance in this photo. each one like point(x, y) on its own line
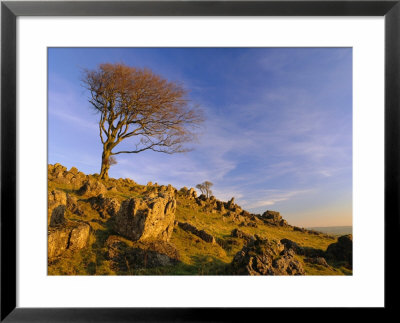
point(135, 103)
point(205, 188)
point(201, 188)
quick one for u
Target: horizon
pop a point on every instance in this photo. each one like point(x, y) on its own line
point(277, 134)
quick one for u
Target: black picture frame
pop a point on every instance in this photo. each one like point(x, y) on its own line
point(10, 10)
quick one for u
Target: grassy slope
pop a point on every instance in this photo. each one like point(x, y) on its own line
point(197, 256)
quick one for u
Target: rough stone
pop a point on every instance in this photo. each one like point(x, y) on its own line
point(148, 218)
point(287, 264)
point(57, 216)
point(236, 233)
point(72, 205)
point(317, 261)
point(146, 255)
point(265, 257)
point(56, 197)
point(200, 233)
point(342, 250)
point(70, 236)
point(107, 207)
point(289, 244)
point(91, 187)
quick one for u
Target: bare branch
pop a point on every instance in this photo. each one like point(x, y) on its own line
point(135, 102)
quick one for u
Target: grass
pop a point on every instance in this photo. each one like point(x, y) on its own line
point(197, 256)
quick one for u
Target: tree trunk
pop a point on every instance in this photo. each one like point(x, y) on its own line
point(105, 163)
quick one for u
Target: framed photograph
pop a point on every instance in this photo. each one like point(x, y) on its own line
point(161, 159)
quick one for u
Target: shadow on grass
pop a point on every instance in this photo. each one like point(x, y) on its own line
point(209, 265)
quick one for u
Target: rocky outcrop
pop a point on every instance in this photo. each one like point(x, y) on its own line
point(146, 218)
point(189, 193)
point(273, 218)
point(289, 244)
point(57, 216)
point(287, 264)
point(147, 255)
point(321, 261)
point(266, 257)
point(107, 207)
point(342, 250)
point(73, 206)
point(92, 187)
point(59, 174)
point(56, 197)
point(67, 236)
point(236, 233)
point(200, 233)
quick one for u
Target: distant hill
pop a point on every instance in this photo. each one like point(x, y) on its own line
point(120, 227)
point(339, 230)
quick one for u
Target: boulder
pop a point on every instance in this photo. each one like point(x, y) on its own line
point(272, 215)
point(56, 171)
point(192, 193)
point(317, 261)
point(265, 257)
point(289, 244)
point(313, 252)
point(299, 229)
point(230, 204)
point(200, 233)
point(79, 236)
point(74, 171)
point(342, 250)
point(107, 207)
point(72, 205)
point(146, 255)
point(146, 218)
point(287, 264)
point(56, 197)
point(236, 233)
point(68, 236)
point(252, 224)
point(220, 207)
point(92, 187)
point(57, 216)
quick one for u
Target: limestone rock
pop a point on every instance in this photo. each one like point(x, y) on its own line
point(148, 218)
point(289, 244)
point(79, 236)
point(287, 264)
point(342, 250)
point(317, 261)
point(107, 207)
point(146, 255)
point(299, 229)
point(192, 193)
point(72, 205)
point(236, 233)
point(200, 233)
point(56, 197)
point(70, 236)
point(91, 187)
point(265, 257)
point(57, 216)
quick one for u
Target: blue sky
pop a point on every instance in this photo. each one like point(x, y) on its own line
point(277, 134)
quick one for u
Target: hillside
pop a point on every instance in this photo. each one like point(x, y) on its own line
point(119, 227)
point(334, 230)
